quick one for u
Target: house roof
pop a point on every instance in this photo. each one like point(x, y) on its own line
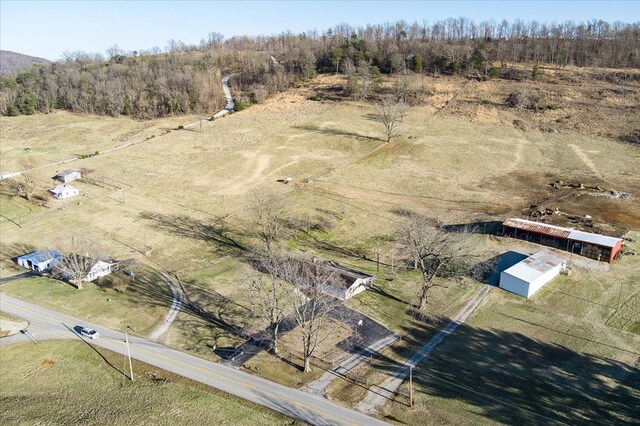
point(535, 265)
point(561, 232)
point(60, 188)
point(67, 172)
point(41, 256)
point(345, 277)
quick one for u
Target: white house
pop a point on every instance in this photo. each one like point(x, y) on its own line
point(68, 176)
point(61, 192)
point(100, 269)
point(346, 283)
point(533, 273)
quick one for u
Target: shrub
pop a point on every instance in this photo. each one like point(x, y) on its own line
point(524, 99)
point(536, 73)
point(633, 137)
point(12, 111)
point(238, 106)
point(494, 72)
point(510, 74)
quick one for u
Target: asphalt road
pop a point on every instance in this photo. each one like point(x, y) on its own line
point(292, 402)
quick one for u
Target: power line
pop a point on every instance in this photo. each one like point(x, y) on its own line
point(424, 373)
point(488, 397)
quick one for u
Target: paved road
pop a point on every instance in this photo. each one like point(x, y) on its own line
point(380, 394)
point(319, 387)
point(292, 402)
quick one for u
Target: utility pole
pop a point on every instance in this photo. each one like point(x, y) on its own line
point(619, 293)
point(377, 254)
point(392, 261)
point(411, 386)
point(126, 338)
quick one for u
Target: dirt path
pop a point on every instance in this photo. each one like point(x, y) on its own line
point(387, 390)
point(586, 160)
point(256, 164)
point(176, 304)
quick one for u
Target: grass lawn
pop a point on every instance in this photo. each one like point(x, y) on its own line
point(569, 353)
point(68, 383)
point(143, 304)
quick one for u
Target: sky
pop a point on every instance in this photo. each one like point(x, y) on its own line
point(48, 28)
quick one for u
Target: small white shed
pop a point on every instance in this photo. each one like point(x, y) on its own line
point(533, 273)
point(68, 176)
point(61, 192)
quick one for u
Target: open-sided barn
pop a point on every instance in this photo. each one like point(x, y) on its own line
point(594, 246)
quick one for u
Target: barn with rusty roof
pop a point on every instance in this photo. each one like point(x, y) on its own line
point(594, 246)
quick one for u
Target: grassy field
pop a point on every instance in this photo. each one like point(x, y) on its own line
point(179, 203)
point(61, 135)
point(69, 383)
point(570, 354)
point(142, 305)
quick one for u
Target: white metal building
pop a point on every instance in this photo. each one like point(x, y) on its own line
point(68, 176)
point(40, 260)
point(533, 273)
point(61, 192)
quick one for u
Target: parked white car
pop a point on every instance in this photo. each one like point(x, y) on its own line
point(90, 333)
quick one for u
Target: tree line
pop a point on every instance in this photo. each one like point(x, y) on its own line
point(185, 78)
point(140, 86)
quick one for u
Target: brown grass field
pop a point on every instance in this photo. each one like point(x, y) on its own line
point(178, 202)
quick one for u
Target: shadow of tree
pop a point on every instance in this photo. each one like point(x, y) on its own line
point(14, 250)
point(479, 227)
point(495, 370)
point(185, 226)
point(326, 246)
point(489, 270)
point(336, 132)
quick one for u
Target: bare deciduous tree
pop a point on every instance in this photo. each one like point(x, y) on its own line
point(24, 185)
point(267, 208)
point(403, 85)
point(79, 255)
point(390, 113)
point(311, 306)
point(435, 251)
point(267, 293)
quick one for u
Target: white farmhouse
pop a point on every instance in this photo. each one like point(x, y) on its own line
point(100, 269)
point(346, 283)
point(533, 273)
point(61, 192)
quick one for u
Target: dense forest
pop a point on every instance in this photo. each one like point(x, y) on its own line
point(185, 78)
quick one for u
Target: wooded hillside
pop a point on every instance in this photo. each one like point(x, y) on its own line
point(11, 63)
point(186, 78)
